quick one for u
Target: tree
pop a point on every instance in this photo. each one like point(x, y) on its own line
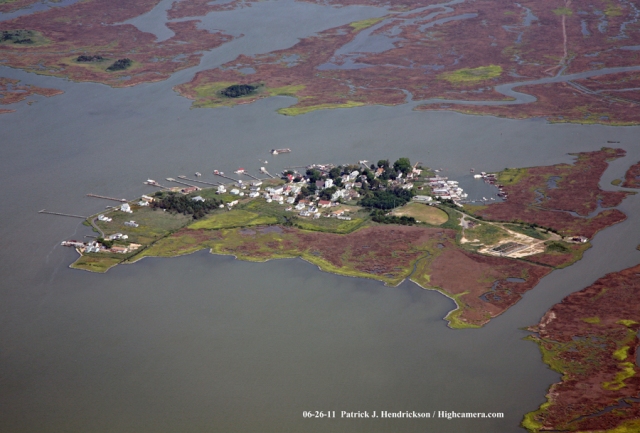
point(403, 165)
point(335, 172)
point(313, 175)
point(383, 163)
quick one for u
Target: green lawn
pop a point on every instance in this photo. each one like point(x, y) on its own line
point(233, 218)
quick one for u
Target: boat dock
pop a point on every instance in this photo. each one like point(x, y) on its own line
point(62, 214)
point(122, 200)
point(264, 170)
point(200, 181)
point(251, 176)
point(225, 176)
point(170, 179)
point(157, 185)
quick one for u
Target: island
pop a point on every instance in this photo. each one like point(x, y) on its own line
point(632, 177)
point(591, 338)
point(384, 221)
point(11, 92)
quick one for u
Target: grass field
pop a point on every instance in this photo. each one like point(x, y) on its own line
point(330, 225)
point(423, 213)
point(472, 75)
point(233, 218)
point(488, 234)
point(153, 224)
point(295, 110)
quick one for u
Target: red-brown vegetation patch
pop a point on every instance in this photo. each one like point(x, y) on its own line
point(91, 28)
point(11, 92)
point(632, 177)
point(479, 34)
point(590, 337)
point(199, 8)
point(483, 281)
point(559, 102)
point(530, 199)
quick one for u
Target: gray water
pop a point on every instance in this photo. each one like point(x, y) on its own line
point(209, 343)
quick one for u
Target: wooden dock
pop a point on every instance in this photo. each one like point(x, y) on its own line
point(226, 177)
point(157, 185)
point(62, 214)
point(264, 170)
point(200, 181)
point(251, 176)
point(170, 179)
point(122, 200)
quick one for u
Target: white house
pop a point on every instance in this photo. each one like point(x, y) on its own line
point(235, 191)
point(221, 189)
point(126, 208)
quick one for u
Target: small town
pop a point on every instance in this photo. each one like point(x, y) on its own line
point(318, 191)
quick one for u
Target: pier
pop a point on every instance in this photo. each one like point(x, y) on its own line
point(122, 200)
point(225, 176)
point(157, 185)
point(264, 170)
point(251, 176)
point(200, 181)
point(170, 179)
point(62, 214)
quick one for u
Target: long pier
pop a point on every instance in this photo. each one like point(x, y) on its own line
point(170, 179)
point(200, 181)
point(62, 214)
point(226, 177)
point(264, 170)
point(251, 176)
point(157, 185)
point(122, 200)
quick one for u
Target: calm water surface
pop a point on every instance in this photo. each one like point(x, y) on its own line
point(208, 343)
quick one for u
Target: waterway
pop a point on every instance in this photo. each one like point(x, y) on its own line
point(208, 343)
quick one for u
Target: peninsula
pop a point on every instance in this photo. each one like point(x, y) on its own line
point(591, 338)
point(385, 221)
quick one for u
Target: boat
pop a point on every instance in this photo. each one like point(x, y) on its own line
point(216, 172)
point(279, 151)
point(472, 170)
point(198, 174)
point(239, 171)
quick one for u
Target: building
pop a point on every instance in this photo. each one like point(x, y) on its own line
point(198, 198)
point(324, 203)
point(189, 189)
point(126, 208)
point(221, 189)
point(131, 223)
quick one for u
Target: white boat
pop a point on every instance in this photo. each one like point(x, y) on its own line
point(198, 174)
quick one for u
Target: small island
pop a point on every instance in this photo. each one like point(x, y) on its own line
point(384, 221)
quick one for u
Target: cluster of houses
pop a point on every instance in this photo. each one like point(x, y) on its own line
point(446, 189)
point(97, 247)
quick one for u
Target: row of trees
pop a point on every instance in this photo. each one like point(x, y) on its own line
point(238, 90)
point(380, 217)
point(388, 199)
point(120, 65)
point(183, 204)
point(85, 59)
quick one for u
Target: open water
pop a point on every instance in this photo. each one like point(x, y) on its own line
point(209, 343)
